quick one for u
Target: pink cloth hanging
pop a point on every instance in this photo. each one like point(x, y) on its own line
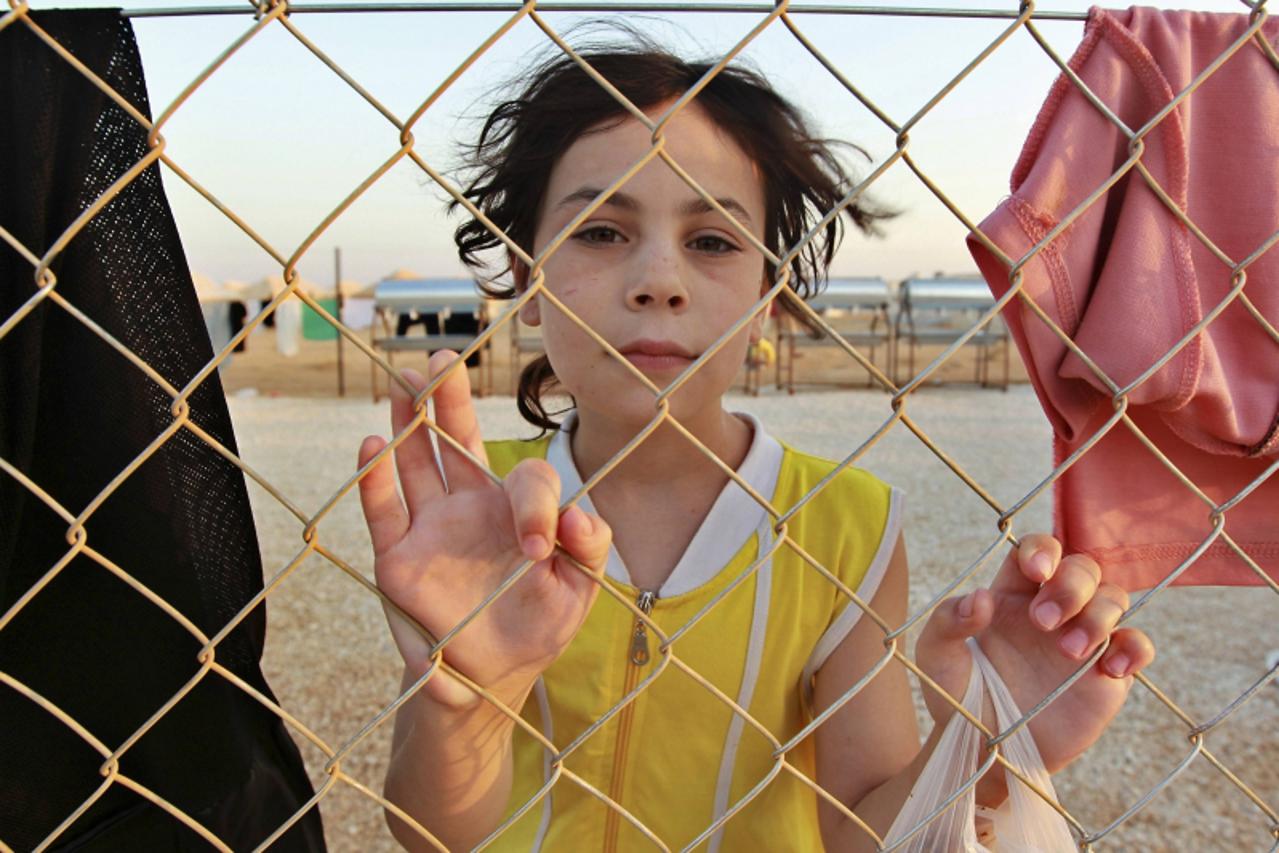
point(1127, 280)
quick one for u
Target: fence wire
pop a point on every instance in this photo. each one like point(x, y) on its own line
point(276, 14)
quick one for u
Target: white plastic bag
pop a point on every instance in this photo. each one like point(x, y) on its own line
point(1023, 824)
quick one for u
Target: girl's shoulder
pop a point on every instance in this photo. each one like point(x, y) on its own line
point(846, 514)
point(802, 472)
point(846, 519)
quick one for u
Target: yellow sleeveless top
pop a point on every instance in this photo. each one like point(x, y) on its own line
point(675, 756)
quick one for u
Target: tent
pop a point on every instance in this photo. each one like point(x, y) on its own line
point(215, 305)
point(401, 274)
point(209, 291)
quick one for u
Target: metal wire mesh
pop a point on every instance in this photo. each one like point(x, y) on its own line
point(897, 416)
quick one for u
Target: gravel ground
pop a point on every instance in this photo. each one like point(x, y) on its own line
point(331, 662)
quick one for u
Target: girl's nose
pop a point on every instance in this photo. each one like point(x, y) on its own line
point(657, 281)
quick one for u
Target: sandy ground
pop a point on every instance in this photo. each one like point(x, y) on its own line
point(331, 662)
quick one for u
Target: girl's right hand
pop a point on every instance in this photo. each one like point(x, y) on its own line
point(454, 536)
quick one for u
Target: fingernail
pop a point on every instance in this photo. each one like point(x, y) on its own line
point(534, 546)
point(1117, 665)
point(966, 606)
point(1048, 614)
point(1042, 564)
point(1074, 643)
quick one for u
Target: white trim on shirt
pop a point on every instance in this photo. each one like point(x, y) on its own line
point(732, 520)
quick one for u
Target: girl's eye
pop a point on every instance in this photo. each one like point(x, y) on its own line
point(712, 245)
point(599, 234)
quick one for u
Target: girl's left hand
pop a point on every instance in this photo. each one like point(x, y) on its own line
point(1043, 616)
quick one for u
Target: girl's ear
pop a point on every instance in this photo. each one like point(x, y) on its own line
point(530, 312)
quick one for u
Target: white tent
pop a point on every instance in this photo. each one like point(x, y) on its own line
point(215, 305)
point(352, 289)
point(209, 291)
point(258, 291)
point(401, 274)
point(254, 296)
point(273, 284)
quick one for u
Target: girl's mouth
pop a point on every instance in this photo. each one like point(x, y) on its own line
point(650, 355)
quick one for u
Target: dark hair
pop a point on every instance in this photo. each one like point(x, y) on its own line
point(522, 138)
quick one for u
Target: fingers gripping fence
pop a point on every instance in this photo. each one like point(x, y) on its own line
point(1021, 24)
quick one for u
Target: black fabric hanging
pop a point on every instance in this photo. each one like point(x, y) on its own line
point(73, 414)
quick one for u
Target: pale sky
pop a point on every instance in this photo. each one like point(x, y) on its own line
point(282, 140)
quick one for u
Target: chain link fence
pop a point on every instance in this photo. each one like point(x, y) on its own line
point(1254, 806)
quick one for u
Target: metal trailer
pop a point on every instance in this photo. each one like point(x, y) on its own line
point(929, 308)
point(858, 296)
point(445, 299)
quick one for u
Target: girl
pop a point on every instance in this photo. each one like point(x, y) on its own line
point(660, 275)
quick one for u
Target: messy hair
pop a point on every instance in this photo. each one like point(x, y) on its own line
point(509, 167)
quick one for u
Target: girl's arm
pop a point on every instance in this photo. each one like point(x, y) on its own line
point(442, 542)
point(450, 770)
point(868, 752)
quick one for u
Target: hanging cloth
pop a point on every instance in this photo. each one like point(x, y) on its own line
point(73, 414)
point(1127, 280)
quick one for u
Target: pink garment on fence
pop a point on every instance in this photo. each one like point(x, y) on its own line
point(1127, 280)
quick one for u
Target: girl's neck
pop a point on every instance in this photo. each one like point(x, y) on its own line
point(666, 455)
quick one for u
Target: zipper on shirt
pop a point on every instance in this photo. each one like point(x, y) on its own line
point(638, 656)
point(639, 637)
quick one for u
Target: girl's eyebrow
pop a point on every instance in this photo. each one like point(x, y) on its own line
point(701, 205)
point(586, 195)
point(619, 199)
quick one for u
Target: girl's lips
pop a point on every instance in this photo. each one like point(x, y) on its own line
point(657, 355)
point(647, 362)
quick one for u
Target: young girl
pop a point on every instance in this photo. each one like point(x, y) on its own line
point(660, 275)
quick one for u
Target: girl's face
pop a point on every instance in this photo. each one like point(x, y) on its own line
point(654, 271)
